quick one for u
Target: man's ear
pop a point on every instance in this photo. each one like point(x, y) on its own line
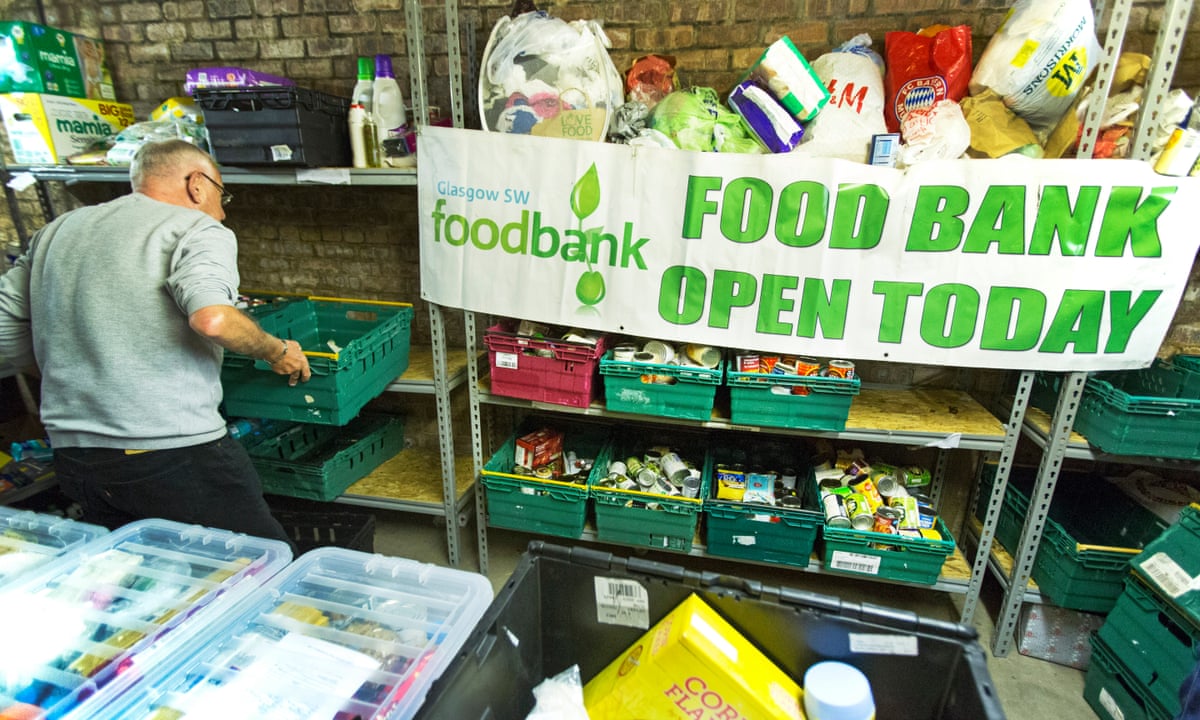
point(193, 187)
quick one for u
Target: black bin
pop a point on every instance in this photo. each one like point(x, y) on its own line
point(276, 125)
point(545, 620)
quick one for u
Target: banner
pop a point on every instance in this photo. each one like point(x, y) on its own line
point(1013, 263)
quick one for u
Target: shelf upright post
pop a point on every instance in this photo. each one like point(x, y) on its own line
point(1114, 39)
point(1039, 509)
point(476, 440)
point(938, 479)
point(415, 41)
point(454, 55)
point(1012, 434)
point(1162, 72)
point(441, 390)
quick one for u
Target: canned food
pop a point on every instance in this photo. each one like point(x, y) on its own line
point(646, 479)
point(691, 486)
point(911, 517)
point(787, 479)
point(858, 509)
point(633, 466)
point(703, 355)
point(543, 472)
point(859, 467)
point(867, 488)
point(917, 476)
point(791, 501)
point(889, 487)
point(674, 468)
point(835, 511)
point(624, 352)
point(807, 366)
point(884, 525)
point(841, 369)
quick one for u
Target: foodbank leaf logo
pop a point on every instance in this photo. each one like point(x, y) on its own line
point(585, 198)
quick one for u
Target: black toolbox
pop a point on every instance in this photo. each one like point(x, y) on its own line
point(546, 619)
point(276, 125)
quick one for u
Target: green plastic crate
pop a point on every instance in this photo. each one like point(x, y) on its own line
point(355, 349)
point(1112, 692)
point(319, 462)
point(688, 393)
point(823, 403)
point(1153, 639)
point(885, 556)
point(1168, 564)
point(530, 504)
point(1092, 532)
point(759, 532)
point(1142, 412)
point(634, 517)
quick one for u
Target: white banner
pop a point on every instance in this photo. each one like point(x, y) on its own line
point(1014, 263)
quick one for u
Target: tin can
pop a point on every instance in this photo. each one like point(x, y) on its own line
point(748, 363)
point(911, 518)
point(647, 479)
point(627, 484)
point(633, 466)
point(691, 486)
point(889, 487)
point(841, 369)
point(835, 511)
point(808, 366)
point(884, 525)
point(543, 472)
point(663, 353)
point(703, 355)
point(787, 479)
point(915, 476)
point(624, 352)
point(859, 467)
point(674, 468)
point(858, 509)
point(784, 366)
point(663, 486)
point(864, 486)
point(618, 467)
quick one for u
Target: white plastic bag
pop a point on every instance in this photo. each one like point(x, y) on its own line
point(1040, 58)
point(560, 697)
point(939, 133)
point(543, 71)
point(853, 74)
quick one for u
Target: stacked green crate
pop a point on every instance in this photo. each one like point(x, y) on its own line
point(1149, 639)
point(677, 391)
point(1153, 412)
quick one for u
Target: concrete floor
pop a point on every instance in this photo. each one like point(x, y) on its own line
point(1028, 687)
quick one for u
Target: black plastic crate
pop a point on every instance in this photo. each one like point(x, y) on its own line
point(545, 620)
point(276, 125)
point(311, 524)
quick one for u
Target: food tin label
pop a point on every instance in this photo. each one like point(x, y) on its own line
point(835, 507)
point(867, 489)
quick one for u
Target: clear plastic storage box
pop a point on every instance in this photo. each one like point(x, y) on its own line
point(28, 540)
point(79, 629)
point(340, 634)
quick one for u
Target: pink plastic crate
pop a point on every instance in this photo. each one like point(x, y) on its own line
point(551, 371)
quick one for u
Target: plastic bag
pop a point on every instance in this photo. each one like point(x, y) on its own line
point(1040, 59)
point(996, 130)
point(938, 133)
point(560, 697)
point(695, 119)
point(650, 79)
point(923, 70)
point(544, 76)
point(853, 74)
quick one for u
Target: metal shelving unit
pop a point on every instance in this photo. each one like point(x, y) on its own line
point(1055, 437)
point(960, 423)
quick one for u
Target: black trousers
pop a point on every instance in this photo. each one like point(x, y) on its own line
point(213, 484)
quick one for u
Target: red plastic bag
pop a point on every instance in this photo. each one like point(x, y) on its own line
point(923, 70)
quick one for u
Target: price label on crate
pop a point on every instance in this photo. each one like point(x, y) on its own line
point(506, 360)
point(1166, 573)
point(855, 562)
point(620, 601)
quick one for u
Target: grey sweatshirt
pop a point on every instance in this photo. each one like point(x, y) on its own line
point(108, 289)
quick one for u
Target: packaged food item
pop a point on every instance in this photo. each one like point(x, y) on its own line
point(925, 68)
point(784, 72)
point(770, 122)
point(229, 77)
point(1040, 59)
point(853, 75)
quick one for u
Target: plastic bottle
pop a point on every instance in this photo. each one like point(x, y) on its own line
point(364, 91)
point(388, 107)
point(358, 115)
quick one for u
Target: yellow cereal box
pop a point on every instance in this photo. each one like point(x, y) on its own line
point(693, 665)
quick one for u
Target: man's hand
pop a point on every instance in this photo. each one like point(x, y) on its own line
point(292, 362)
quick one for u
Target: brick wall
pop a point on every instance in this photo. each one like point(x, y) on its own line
point(362, 242)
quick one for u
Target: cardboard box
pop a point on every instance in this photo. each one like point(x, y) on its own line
point(539, 448)
point(45, 129)
point(691, 664)
point(41, 59)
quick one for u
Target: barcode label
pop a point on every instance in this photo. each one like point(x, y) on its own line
point(878, 644)
point(854, 562)
point(1110, 705)
point(622, 602)
point(745, 540)
point(1166, 573)
point(506, 360)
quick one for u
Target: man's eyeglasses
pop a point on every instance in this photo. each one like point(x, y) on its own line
point(226, 196)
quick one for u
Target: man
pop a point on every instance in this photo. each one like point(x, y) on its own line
point(125, 307)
